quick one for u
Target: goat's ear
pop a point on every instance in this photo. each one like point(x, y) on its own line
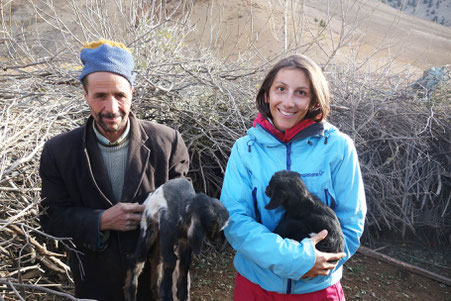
point(304, 194)
point(196, 234)
point(275, 201)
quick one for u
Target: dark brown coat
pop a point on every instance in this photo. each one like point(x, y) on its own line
point(76, 189)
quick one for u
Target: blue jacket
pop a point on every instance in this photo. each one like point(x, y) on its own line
point(327, 161)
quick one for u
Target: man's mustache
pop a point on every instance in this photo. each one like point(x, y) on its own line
point(111, 115)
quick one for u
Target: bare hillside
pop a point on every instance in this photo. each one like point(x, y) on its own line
point(364, 28)
point(438, 11)
point(348, 31)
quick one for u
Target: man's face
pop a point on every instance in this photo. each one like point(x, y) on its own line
point(109, 97)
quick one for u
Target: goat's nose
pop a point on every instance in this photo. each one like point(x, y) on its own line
point(268, 191)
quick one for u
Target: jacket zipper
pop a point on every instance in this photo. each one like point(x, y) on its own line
point(289, 286)
point(289, 156)
point(289, 168)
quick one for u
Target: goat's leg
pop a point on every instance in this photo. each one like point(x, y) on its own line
point(184, 254)
point(131, 281)
point(137, 260)
point(155, 270)
point(168, 265)
point(168, 261)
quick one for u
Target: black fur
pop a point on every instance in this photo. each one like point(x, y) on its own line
point(305, 213)
point(175, 229)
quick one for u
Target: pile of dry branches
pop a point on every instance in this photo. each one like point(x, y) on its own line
point(403, 140)
point(404, 143)
point(30, 114)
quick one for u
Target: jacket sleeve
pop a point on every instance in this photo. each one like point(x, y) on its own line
point(60, 215)
point(350, 198)
point(179, 161)
point(284, 257)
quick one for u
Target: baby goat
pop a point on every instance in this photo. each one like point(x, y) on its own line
point(305, 214)
point(174, 224)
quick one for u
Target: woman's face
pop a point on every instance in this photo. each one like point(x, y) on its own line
point(289, 98)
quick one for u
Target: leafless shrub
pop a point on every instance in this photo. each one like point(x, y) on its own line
point(32, 111)
point(404, 149)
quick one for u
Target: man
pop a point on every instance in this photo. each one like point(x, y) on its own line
point(95, 177)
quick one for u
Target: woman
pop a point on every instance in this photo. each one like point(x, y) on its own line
point(290, 132)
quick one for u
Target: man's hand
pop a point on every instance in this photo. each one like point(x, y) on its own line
point(121, 217)
point(322, 265)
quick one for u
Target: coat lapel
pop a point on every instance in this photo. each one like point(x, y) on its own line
point(96, 164)
point(138, 159)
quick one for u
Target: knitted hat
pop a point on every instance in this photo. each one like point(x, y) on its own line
point(109, 56)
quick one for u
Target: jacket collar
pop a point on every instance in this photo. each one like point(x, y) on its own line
point(137, 160)
point(106, 142)
point(304, 129)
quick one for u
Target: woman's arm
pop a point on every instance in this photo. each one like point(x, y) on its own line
point(350, 198)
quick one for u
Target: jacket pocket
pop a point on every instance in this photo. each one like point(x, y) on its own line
point(329, 199)
point(258, 217)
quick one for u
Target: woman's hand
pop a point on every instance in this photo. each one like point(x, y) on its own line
point(324, 262)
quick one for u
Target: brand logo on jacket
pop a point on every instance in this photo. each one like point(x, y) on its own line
point(312, 174)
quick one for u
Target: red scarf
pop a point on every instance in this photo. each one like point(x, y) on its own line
point(283, 136)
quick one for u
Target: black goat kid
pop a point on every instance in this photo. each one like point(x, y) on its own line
point(305, 214)
point(174, 224)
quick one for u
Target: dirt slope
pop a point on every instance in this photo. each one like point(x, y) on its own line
point(238, 25)
point(233, 26)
